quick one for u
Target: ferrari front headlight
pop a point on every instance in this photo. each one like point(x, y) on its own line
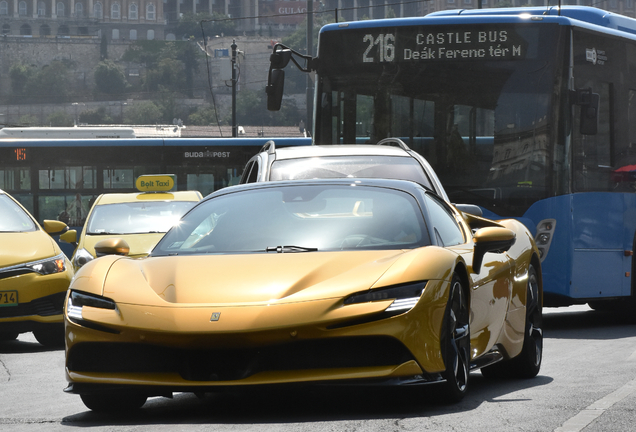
point(82, 256)
point(77, 301)
point(48, 266)
point(405, 297)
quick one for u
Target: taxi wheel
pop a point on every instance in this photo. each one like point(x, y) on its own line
point(8, 336)
point(51, 336)
point(528, 362)
point(114, 402)
point(456, 343)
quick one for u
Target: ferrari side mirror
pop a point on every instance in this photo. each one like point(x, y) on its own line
point(491, 239)
point(111, 246)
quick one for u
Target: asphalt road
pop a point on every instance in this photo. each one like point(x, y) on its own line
point(587, 383)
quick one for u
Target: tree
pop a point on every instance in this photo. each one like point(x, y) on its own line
point(98, 116)
point(50, 84)
point(59, 118)
point(110, 78)
point(20, 75)
point(168, 64)
point(251, 109)
point(143, 113)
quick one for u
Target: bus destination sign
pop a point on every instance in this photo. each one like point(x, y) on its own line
point(421, 44)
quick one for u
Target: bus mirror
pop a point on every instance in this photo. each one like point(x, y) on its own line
point(280, 58)
point(589, 103)
point(274, 89)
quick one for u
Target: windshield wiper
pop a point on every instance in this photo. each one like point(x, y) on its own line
point(285, 249)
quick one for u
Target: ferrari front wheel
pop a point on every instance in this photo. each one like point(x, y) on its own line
point(456, 342)
point(114, 402)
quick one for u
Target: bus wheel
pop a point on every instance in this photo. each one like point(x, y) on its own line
point(528, 362)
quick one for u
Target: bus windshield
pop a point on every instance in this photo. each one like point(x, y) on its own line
point(475, 101)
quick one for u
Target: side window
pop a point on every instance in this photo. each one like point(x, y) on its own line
point(250, 174)
point(443, 224)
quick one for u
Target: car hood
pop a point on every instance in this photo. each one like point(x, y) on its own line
point(24, 247)
point(251, 279)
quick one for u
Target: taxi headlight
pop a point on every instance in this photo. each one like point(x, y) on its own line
point(48, 266)
point(405, 297)
point(82, 256)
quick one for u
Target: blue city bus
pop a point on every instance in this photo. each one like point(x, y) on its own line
point(60, 178)
point(529, 113)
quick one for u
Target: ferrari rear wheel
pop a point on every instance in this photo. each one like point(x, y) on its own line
point(8, 336)
point(114, 402)
point(528, 362)
point(456, 342)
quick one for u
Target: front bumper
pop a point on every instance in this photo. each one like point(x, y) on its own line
point(182, 349)
point(40, 301)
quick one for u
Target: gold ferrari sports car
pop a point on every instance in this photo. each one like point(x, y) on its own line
point(348, 281)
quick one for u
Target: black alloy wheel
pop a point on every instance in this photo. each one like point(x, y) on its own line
point(456, 342)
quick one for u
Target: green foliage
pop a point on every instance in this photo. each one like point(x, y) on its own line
point(50, 84)
point(110, 78)
point(59, 118)
point(145, 52)
point(146, 112)
point(168, 64)
point(28, 120)
point(251, 110)
point(20, 75)
point(203, 116)
point(216, 24)
point(98, 116)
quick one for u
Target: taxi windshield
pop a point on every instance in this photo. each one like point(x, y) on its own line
point(136, 217)
point(13, 218)
point(299, 219)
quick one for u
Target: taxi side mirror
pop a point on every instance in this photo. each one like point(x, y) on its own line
point(111, 246)
point(69, 236)
point(53, 227)
point(491, 239)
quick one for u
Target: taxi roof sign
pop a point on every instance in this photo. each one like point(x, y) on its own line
point(155, 182)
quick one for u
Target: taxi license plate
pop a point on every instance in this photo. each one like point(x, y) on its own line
point(8, 298)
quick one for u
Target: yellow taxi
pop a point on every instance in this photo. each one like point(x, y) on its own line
point(34, 275)
point(140, 219)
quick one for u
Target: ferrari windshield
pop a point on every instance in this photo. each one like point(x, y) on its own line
point(304, 218)
point(13, 218)
point(403, 168)
point(136, 217)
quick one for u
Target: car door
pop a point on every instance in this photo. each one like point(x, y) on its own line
point(491, 288)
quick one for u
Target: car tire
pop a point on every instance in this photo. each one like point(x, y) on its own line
point(114, 402)
point(51, 337)
point(8, 336)
point(528, 363)
point(456, 342)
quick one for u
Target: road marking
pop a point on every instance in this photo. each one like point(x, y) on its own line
point(592, 412)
